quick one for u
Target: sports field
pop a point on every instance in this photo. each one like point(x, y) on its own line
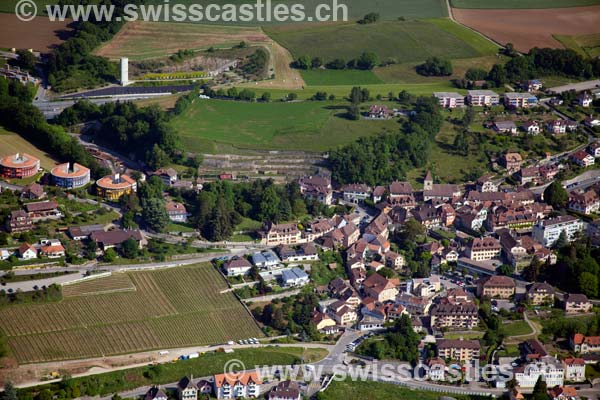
point(403, 41)
point(509, 4)
point(308, 126)
point(11, 143)
point(169, 308)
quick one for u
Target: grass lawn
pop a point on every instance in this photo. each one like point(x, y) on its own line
point(406, 72)
point(586, 45)
point(207, 364)
point(361, 390)
point(309, 126)
point(324, 77)
point(592, 372)
point(508, 4)
point(517, 328)
point(248, 224)
point(403, 41)
point(465, 336)
point(11, 143)
point(478, 42)
point(320, 273)
point(179, 227)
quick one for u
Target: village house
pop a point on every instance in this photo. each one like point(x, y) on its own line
point(520, 251)
point(394, 260)
point(52, 249)
point(450, 99)
point(471, 217)
point(531, 127)
point(585, 99)
point(532, 85)
point(454, 316)
point(486, 184)
point(237, 266)
point(19, 221)
point(286, 390)
point(317, 187)
point(322, 320)
point(33, 191)
point(176, 211)
point(585, 202)
point(413, 304)
point(356, 192)
point(507, 127)
point(480, 98)
point(557, 126)
point(27, 252)
point(592, 122)
point(402, 194)
point(276, 234)
point(512, 162)
point(378, 193)
point(43, 210)
point(582, 158)
point(380, 112)
point(380, 288)
point(447, 214)
point(549, 171)
point(584, 344)
point(83, 232)
point(237, 384)
point(496, 286)
point(540, 293)
point(167, 175)
point(529, 175)
point(485, 248)
point(304, 252)
point(155, 393)
point(459, 350)
point(548, 231)
point(115, 238)
point(266, 259)
point(437, 369)
point(563, 393)
point(574, 369)
point(187, 389)
point(519, 100)
point(428, 216)
point(342, 313)
point(576, 303)
point(294, 277)
point(594, 149)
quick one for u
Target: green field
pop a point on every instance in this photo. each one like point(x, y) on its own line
point(169, 308)
point(309, 126)
point(517, 328)
point(521, 4)
point(321, 77)
point(586, 45)
point(11, 143)
point(364, 389)
point(403, 41)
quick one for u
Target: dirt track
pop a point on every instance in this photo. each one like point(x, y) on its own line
point(40, 34)
point(531, 28)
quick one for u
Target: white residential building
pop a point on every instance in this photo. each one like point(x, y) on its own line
point(450, 99)
point(233, 385)
point(356, 192)
point(549, 367)
point(483, 98)
point(574, 369)
point(547, 231)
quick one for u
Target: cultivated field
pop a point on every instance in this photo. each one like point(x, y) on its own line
point(117, 282)
point(39, 34)
point(308, 126)
point(531, 28)
point(514, 4)
point(320, 77)
point(11, 143)
point(404, 41)
point(176, 307)
point(144, 40)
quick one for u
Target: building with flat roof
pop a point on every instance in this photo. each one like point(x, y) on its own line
point(450, 99)
point(112, 187)
point(20, 165)
point(69, 176)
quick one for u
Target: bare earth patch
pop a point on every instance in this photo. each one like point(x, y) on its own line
point(531, 28)
point(40, 34)
point(285, 76)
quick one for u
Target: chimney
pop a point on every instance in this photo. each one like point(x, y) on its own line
point(117, 178)
point(17, 156)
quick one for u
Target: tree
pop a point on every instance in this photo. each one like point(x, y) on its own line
point(367, 60)
point(506, 270)
point(90, 249)
point(130, 248)
point(10, 392)
point(157, 157)
point(476, 74)
point(540, 390)
point(370, 18)
point(303, 62)
point(497, 75)
point(26, 59)
point(110, 255)
point(562, 241)
point(266, 97)
point(588, 284)
point(435, 66)
point(316, 62)
point(556, 195)
point(155, 214)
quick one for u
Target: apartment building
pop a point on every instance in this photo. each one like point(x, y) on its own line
point(547, 231)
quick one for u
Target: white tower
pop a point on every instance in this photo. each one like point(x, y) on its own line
point(124, 71)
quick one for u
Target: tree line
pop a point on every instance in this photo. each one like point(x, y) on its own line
point(365, 61)
point(19, 115)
